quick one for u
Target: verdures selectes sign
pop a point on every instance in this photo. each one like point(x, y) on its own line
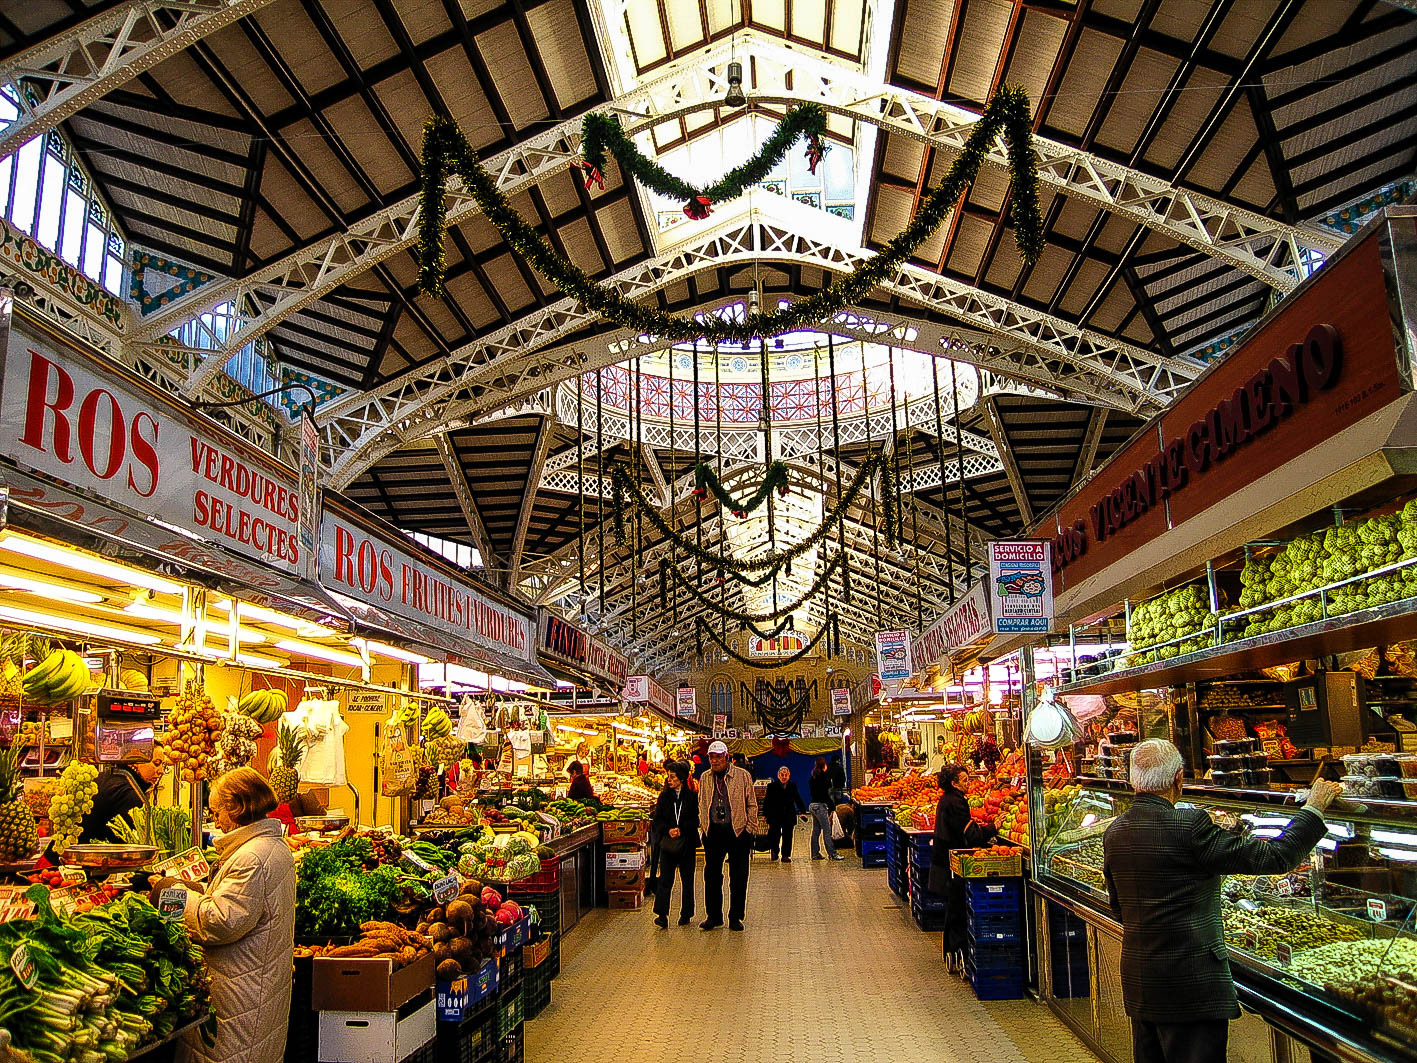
point(1271, 395)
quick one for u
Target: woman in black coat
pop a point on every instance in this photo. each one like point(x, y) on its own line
point(676, 823)
point(951, 825)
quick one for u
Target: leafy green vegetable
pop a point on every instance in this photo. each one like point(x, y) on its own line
point(335, 890)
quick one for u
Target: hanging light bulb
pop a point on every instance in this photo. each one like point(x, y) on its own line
point(735, 97)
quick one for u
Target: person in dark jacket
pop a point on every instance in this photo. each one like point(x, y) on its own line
point(836, 774)
point(952, 825)
point(782, 804)
point(120, 790)
point(1164, 867)
point(676, 820)
point(819, 783)
point(580, 789)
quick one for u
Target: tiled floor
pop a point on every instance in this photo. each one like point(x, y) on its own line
point(829, 970)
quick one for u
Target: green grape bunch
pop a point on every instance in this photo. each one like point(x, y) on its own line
point(78, 785)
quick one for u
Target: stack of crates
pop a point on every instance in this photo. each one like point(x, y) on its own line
point(995, 959)
point(473, 1040)
point(545, 897)
point(510, 1019)
point(1067, 947)
point(927, 908)
point(872, 823)
point(897, 860)
point(536, 977)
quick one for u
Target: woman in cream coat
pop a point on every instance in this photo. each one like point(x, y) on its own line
point(245, 923)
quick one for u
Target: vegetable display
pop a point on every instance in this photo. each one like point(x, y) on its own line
point(399, 945)
point(104, 983)
point(167, 828)
point(71, 802)
point(462, 931)
point(339, 887)
point(500, 857)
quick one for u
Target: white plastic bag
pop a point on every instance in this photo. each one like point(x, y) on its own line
point(472, 722)
point(838, 832)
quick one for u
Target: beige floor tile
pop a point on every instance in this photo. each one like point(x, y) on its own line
point(829, 970)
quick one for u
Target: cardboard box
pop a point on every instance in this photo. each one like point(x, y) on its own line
point(462, 996)
point(371, 984)
point(624, 880)
point(536, 953)
point(625, 900)
point(375, 1036)
point(624, 860)
point(631, 832)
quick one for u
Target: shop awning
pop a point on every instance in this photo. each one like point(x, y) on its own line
point(35, 505)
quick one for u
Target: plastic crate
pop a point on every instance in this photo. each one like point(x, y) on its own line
point(468, 1041)
point(511, 971)
point(927, 901)
point(536, 993)
point(509, 1013)
point(989, 985)
point(996, 957)
point(547, 880)
point(512, 1047)
point(989, 895)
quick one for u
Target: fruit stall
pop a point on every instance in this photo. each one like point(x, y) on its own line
point(1256, 605)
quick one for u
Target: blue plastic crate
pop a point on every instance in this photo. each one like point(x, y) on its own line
point(993, 895)
point(873, 849)
point(928, 902)
point(1007, 927)
point(873, 861)
point(992, 986)
point(996, 958)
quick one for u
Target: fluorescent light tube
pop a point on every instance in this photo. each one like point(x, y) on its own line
point(97, 566)
point(82, 627)
point(324, 653)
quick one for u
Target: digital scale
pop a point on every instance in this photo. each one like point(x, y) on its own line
point(116, 726)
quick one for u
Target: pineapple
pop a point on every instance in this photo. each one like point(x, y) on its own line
point(290, 748)
point(18, 837)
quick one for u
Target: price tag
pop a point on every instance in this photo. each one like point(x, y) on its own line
point(1283, 953)
point(1377, 909)
point(1252, 941)
point(416, 862)
point(16, 910)
point(172, 903)
point(445, 888)
point(189, 866)
point(63, 901)
point(22, 963)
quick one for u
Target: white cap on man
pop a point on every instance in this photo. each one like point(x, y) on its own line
point(718, 747)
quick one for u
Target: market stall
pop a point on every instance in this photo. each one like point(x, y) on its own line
point(1268, 595)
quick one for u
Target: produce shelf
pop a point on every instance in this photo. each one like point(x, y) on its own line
point(1380, 625)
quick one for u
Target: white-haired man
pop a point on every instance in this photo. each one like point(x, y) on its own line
point(1164, 866)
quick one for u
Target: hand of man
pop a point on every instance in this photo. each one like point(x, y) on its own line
point(1322, 794)
point(158, 883)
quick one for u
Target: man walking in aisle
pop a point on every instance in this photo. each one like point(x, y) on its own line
point(781, 806)
point(728, 814)
point(1164, 867)
point(820, 786)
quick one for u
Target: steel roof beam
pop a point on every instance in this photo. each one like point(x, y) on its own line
point(457, 477)
point(66, 73)
point(1006, 454)
point(1260, 246)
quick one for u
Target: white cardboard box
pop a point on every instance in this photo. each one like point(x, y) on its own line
point(630, 861)
point(375, 1036)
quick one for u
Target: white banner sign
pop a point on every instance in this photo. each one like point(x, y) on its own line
point(1021, 586)
point(641, 689)
point(782, 646)
point(965, 622)
point(687, 701)
point(368, 567)
point(720, 725)
point(893, 655)
point(106, 433)
point(841, 702)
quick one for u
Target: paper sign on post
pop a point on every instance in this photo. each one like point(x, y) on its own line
point(841, 702)
point(22, 963)
point(1021, 586)
point(445, 888)
point(172, 903)
point(893, 655)
point(1377, 909)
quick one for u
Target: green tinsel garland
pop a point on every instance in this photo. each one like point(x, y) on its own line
point(667, 569)
point(445, 150)
point(706, 481)
point(776, 662)
point(625, 493)
point(601, 132)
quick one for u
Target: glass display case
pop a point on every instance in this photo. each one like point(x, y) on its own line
point(1327, 952)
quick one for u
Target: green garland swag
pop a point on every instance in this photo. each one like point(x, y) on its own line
point(667, 569)
point(446, 151)
point(601, 133)
point(706, 480)
point(625, 493)
point(776, 662)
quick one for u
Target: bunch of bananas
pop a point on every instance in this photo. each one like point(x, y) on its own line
point(437, 724)
point(263, 706)
point(406, 715)
point(60, 676)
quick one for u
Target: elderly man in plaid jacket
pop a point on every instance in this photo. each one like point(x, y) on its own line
point(1164, 867)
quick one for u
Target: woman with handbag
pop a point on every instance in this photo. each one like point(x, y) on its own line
point(954, 829)
point(676, 819)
